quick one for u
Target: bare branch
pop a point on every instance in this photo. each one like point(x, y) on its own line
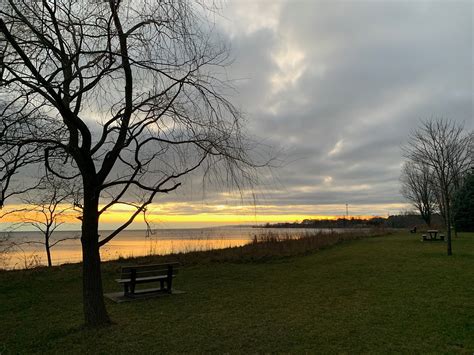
point(444, 147)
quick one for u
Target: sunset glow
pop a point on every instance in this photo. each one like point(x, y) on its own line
point(173, 215)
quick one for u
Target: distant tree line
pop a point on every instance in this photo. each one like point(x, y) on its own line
point(406, 220)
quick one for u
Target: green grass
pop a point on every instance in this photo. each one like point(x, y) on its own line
point(378, 295)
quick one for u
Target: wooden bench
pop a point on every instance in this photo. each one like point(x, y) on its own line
point(140, 274)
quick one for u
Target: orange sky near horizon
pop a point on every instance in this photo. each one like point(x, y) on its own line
point(171, 215)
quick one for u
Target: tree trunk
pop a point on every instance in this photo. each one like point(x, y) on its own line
point(95, 313)
point(427, 218)
point(48, 252)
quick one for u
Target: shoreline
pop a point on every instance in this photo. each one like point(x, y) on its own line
point(262, 247)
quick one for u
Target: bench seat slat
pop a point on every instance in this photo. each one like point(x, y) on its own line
point(144, 279)
point(142, 273)
point(149, 267)
point(139, 273)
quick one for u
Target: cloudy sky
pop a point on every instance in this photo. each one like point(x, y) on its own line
point(336, 86)
point(339, 85)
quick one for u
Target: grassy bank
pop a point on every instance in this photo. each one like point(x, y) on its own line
point(264, 246)
point(391, 293)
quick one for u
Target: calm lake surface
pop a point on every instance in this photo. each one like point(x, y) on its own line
point(132, 243)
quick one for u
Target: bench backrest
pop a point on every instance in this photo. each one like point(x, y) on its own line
point(149, 270)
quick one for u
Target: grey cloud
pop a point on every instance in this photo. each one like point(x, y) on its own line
point(372, 70)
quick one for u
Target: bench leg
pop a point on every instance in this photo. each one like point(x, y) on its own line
point(128, 289)
point(169, 278)
point(133, 276)
point(162, 285)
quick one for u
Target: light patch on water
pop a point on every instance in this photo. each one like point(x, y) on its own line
point(131, 244)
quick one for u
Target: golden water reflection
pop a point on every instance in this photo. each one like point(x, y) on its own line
point(130, 244)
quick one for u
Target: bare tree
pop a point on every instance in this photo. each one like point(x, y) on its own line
point(417, 187)
point(47, 210)
point(442, 145)
point(132, 94)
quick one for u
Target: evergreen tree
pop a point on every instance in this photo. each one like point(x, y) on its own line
point(464, 206)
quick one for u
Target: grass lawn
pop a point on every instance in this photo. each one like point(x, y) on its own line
point(385, 294)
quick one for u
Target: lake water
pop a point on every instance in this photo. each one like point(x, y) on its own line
point(130, 243)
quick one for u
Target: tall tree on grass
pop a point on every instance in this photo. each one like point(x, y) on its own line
point(443, 146)
point(417, 187)
point(132, 94)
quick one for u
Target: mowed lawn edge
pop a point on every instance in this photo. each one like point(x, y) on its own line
point(384, 294)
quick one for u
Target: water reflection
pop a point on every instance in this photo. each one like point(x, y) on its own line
point(131, 243)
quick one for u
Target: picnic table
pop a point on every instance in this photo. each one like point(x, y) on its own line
point(433, 235)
